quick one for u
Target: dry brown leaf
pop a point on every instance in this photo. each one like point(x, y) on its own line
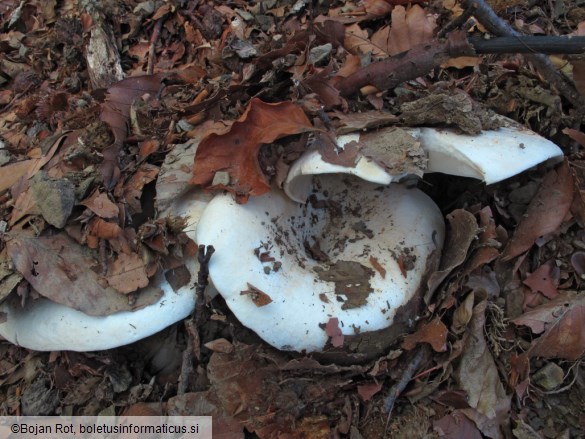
point(236, 152)
point(259, 297)
point(545, 280)
point(104, 229)
point(25, 205)
point(145, 174)
point(434, 333)
point(127, 273)
point(61, 270)
point(409, 28)
point(577, 136)
point(366, 391)
point(11, 173)
point(562, 322)
point(456, 426)
point(357, 42)
point(115, 111)
point(545, 212)
point(462, 232)
point(477, 372)
point(99, 203)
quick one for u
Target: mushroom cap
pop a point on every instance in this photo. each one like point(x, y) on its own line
point(44, 325)
point(491, 156)
point(274, 250)
point(311, 163)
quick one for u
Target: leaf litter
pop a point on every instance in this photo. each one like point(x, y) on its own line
point(236, 85)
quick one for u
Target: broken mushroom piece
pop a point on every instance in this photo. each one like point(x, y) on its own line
point(491, 156)
point(356, 251)
point(44, 325)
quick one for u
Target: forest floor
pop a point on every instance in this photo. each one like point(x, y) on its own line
point(95, 95)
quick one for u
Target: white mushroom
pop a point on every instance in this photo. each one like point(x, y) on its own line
point(286, 269)
point(357, 254)
point(44, 325)
point(491, 156)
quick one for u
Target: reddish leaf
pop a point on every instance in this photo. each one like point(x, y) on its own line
point(456, 426)
point(544, 280)
point(236, 152)
point(434, 333)
point(563, 322)
point(332, 330)
point(260, 298)
point(366, 391)
point(378, 267)
point(545, 213)
point(104, 229)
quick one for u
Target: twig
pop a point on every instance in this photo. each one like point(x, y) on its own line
point(407, 375)
point(456, 23)
point(192, 324)
point(494, 24)
point(153, 40)
point(530, 44)
point(203, 257)
point(418, 61)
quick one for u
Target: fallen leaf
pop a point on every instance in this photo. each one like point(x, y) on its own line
point(562, 324)
point(366, 391)
point(236, 152)
point(60, 269)
point(115, 111)
point(11, 173)
point(433, 332)
point(220, 345)
point(409, 28)
point(545, 212)
point(462, 231)
point(145, 174)
point(259, 297)
point(104, 229)
point(332, 330)
point(378, 267)
point(127, 273)
point(545, 280)
point(477, 372)
point(99, 203)
point(456, 426)
point(577, 136)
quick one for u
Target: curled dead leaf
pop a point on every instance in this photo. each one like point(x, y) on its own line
point(236, 152)
point(259, 297)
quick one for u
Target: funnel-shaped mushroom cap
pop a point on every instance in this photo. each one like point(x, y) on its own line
point(491, 156)
point(356, 252)
point(44, 325)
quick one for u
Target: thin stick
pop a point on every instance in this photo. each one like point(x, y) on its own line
point(494, 24)
point(191, 325)
point(407, 375)
point(153, 40)
point(530, 44)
